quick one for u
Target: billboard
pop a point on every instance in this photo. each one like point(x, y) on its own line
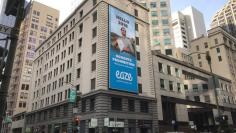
point(122, 53)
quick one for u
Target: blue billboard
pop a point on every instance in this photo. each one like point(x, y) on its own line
point(122, 53)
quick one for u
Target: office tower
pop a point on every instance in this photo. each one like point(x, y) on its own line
point(188, 24)
point(226, 17)
point(161, 33)
point(39, 22)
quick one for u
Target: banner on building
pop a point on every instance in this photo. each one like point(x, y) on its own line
point(122, 53)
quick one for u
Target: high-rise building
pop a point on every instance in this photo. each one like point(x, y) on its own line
point(102, 51)
point(161, 33)
point(188, 24)
point(226, 17)
point(39, 22)
point(221, 46)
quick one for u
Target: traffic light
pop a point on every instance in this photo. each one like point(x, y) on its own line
point(222, 118)
point(77, 120)
point(3, 54)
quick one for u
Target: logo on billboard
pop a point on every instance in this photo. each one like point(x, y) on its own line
point(122, 53)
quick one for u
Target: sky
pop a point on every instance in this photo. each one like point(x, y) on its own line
point(207, 7)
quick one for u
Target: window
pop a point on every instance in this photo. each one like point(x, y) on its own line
point(206, 45)
point(204, 86)
point(153, 4)
point(177, 72)
point(95, 16)
point(135, 12)
point(80, 42)
point(155, 22)
point(163, 4)
point(165, 22)
point(168, 51)
point(139, 72)
point(79, 57)
point(197, 98)
point(164, 13)
point(144, 106)
point(178, 87)
point(116, 103)
point(160, 66)
point(138, 56)
point(137, 40)
point(156, 42)
point(78, 72)
point(131, 105)
point(83, 104)
point(207, 98)
point(185, 87)
point(94, 32)
point(154, 13)
point(93, 84)
point(155, 32)
point(218, 50)
point(166, 32)
point(216, 41)
point(81, 28)
point(200, 64)
point(195, 87)
point(162, 83)
point(77, 87)
point(81, 14)
point(136, 27)
point(199, 56)
point(167, 41)
point(169, 70)
point(94, 48)
point(140, 88)
point(219, 58)
point(92, 104)
point(93, 65)
point(171, 85)
point(197, 48)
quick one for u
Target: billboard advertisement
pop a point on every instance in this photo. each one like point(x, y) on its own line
point(122, 53)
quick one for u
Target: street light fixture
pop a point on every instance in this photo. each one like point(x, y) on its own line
point(208, 58)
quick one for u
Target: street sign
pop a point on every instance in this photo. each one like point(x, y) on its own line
point(72, 95)
point(7, 30)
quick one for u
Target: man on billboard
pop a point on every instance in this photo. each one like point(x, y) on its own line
point(123, 43)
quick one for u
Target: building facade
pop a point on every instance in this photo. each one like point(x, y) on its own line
point(39, 22)
point(161, 32)
point(76, 56)
point(187, 25)
point(185, 96)
point(221, 47)
point(226, 18)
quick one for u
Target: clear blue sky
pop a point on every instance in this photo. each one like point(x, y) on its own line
point(207, 7)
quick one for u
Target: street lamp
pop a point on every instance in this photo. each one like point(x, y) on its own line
point(208, 58)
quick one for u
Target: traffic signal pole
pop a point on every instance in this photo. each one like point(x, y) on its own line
point(10, 60)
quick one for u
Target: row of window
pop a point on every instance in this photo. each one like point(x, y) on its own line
point(163, 4)
point(171, 85)
point(169, 70)
point(155, 22)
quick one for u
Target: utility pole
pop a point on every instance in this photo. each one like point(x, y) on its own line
point(10, 58)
